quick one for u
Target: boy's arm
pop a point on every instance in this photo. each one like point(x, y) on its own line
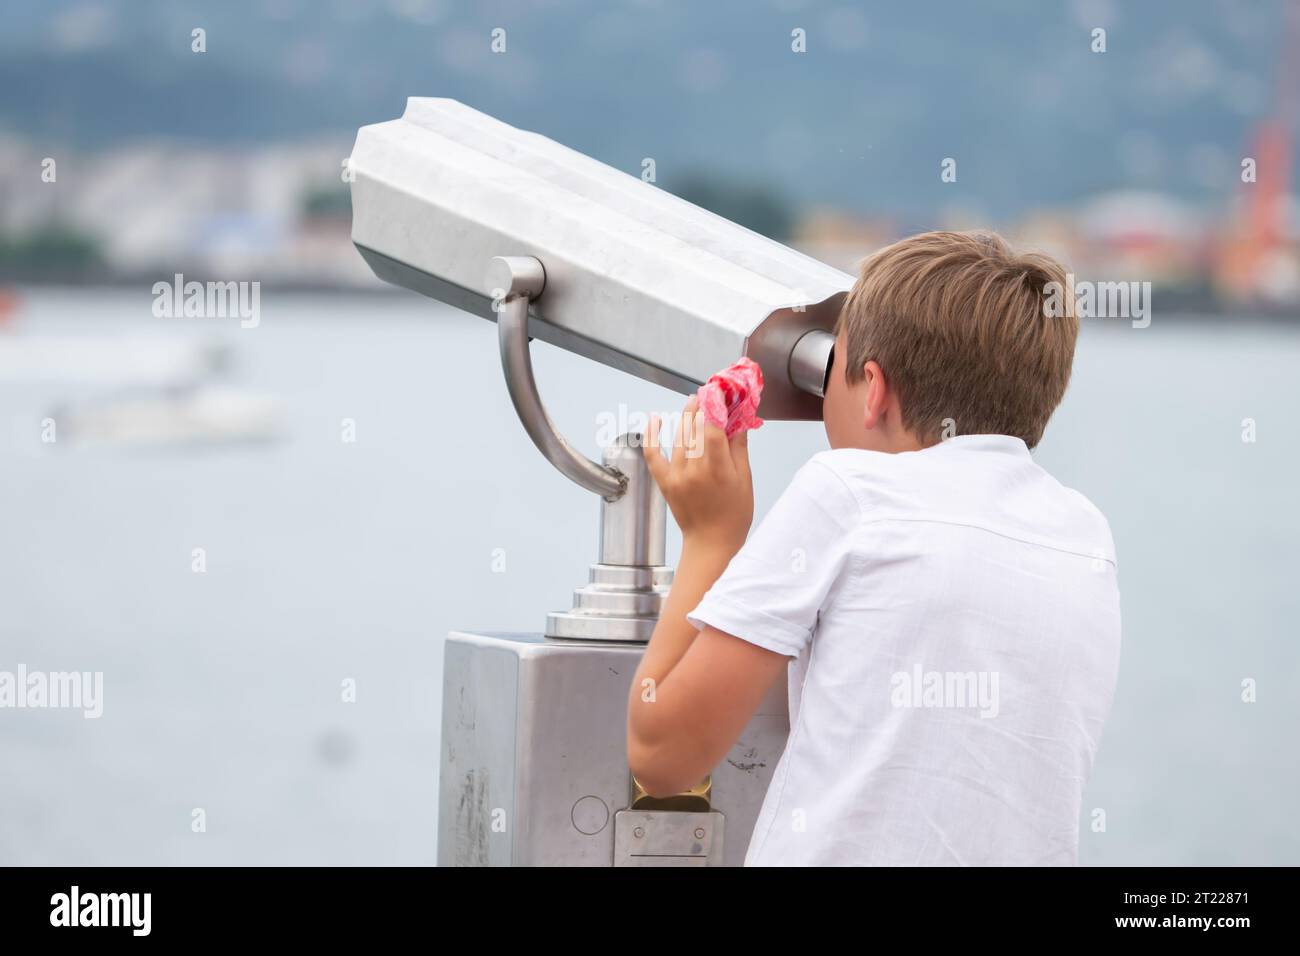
point(695, 691)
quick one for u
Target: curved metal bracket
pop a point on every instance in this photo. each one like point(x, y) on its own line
point(515, 281)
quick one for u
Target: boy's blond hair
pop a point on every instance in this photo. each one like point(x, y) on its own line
point(957, 323)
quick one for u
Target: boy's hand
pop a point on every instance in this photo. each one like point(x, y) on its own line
point(707, 484)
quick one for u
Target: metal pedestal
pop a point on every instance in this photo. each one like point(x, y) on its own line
point(534, 762)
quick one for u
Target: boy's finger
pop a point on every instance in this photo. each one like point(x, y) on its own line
point(695, 444)
point(716, 452)
point(683, 440)
point(655, 459)
point(680, 436)
point(740, 453)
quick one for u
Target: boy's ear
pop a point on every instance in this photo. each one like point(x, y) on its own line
point(877, 393)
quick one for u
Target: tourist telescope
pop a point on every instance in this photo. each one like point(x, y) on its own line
point(553, 245)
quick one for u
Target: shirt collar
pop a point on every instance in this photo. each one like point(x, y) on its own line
point(999, 444)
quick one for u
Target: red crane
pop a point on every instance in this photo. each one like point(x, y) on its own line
point(1262, 234)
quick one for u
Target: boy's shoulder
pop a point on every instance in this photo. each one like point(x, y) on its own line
point(868, 475)
point(853, 481)
point(985, 480)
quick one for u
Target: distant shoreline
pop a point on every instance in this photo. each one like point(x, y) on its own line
point(1187, 308)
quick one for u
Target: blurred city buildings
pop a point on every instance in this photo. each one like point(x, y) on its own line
point(281, 214)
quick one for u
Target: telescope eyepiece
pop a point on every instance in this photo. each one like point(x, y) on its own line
point(810, 361)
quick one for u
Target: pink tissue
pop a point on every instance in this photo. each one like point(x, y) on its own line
point(730, 398)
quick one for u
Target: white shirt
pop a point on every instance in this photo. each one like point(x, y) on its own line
point(954, 618)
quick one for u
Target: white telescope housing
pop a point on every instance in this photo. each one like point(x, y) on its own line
point(636, 278)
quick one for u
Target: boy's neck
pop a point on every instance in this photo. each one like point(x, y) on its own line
point(891, 443)
point(904, 442)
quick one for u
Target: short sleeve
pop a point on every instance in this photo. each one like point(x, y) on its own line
point(777, 584)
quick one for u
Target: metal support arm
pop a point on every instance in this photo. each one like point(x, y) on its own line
point(515, 281)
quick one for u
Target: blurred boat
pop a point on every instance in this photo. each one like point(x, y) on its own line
point(140, 390)
point(192, 416)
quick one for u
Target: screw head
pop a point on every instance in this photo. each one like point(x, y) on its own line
point(639, 832)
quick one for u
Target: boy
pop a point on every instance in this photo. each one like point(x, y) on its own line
point(950, 611)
